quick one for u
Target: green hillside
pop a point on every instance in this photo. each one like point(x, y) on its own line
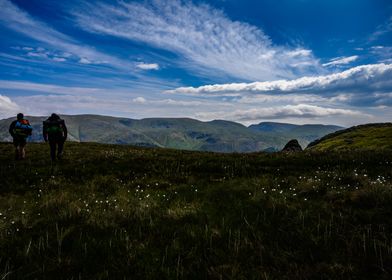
point(363, 137)
point(177, 133)
point(123, 212)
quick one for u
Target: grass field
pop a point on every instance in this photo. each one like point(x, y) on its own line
point(121, 212)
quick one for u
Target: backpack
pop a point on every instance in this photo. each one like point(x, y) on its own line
point(54, 127)
point(23, 128)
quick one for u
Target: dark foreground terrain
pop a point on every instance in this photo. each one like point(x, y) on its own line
point(120, 212)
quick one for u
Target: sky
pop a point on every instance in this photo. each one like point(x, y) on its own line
point(249, 61)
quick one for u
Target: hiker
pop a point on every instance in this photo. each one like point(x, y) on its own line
point(55, 131)
point(20, 129)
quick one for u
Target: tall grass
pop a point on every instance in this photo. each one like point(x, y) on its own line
point(122, 212)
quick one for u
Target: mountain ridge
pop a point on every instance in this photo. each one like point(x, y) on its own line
point(177, 133)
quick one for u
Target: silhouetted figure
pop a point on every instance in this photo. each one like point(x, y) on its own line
point(20, 129)
point(55, 131)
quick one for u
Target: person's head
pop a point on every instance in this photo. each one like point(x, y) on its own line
point(54, 116)
point(20, 116)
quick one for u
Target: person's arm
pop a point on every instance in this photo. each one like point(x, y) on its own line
point(65, 131)
point(44, 131)
point(11, 129)
point(31, 129)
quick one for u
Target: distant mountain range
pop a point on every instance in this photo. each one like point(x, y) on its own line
point(180, 133)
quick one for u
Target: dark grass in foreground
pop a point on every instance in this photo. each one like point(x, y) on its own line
point(121, 212)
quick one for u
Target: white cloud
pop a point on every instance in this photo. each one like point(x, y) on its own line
point(148, 66)
point(8, 108)
point(361, 78)
point(206, 38)
point(37, 54)
point(139, 100)
point(84, 60)
point(341, 61)
point(280, 112)
point(59, 59)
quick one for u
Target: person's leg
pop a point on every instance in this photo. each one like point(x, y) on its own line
point(16, 148)
point(22, 151)
point(52, 145)
point(60, 149)
point(16, 152)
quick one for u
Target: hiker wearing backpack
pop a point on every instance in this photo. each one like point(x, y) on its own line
point(20, 129)
point(55, 131)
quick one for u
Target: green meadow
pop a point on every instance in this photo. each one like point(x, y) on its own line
point(124, 212)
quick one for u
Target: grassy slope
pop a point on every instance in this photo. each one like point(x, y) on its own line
point(112, 211)
point(369, 136)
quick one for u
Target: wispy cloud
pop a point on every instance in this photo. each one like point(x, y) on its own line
point(341, 61)
point(382, 53)
point(47, 88)
point(381, 30)
point(361, 78)
point(205, 37)
point(18, 20)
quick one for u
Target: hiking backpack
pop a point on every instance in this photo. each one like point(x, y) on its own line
point(23, 128)
point(54, 127)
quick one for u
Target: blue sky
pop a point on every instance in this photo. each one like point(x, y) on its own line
point(299, 61)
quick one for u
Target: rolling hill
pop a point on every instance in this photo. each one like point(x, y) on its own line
point(377, 136)
point(179, 133)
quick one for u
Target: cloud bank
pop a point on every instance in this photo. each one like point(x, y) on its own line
point(365, 78)
point(281, 112)
point(7, 107)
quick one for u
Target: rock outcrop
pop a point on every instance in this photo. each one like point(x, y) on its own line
point(292, 146)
